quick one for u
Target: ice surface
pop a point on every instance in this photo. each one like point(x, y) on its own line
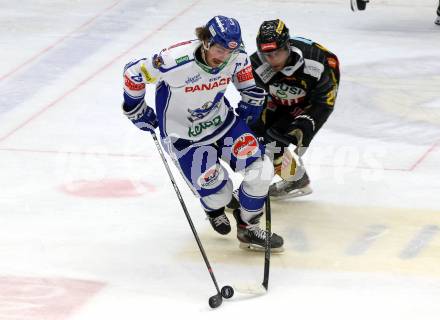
point(90, 227)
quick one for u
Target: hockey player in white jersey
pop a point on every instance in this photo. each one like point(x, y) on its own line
point(198, 126)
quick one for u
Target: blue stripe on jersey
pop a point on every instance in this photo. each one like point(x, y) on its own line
point(164, 70)
point(132, 63)
point(131, 101)
point(163, 95)
point(305, 40)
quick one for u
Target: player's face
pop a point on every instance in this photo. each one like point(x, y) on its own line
point(216, 55)
point(277, 59)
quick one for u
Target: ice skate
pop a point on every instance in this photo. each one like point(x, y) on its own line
point(290, 189)
point(219, 221)
point(252, 237)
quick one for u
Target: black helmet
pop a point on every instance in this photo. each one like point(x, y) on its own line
point(272, 35)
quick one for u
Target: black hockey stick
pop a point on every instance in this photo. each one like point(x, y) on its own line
point(267, 245)
point(227, 291)
point(260, 289)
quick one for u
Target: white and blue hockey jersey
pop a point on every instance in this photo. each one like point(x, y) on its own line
point(190, 102)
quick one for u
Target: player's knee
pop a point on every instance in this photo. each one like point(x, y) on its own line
point(258, 176)
point(219, 199)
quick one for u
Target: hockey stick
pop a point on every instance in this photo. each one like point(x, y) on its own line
point(227, 291)
point(267, 245)
point(259, 289)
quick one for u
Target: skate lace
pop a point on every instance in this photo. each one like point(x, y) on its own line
point(222, 219)
point(257, 231)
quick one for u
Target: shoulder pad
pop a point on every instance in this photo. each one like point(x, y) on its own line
point(177, 55)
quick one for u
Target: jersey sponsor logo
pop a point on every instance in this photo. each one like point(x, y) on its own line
point(130, 84)
point(286, 95)
point(268, 46)
point(207, 86)
point(182, 59)
point(245, 146)
point(265, 72)
point(245, 74)
point(313, 68)
point(197, 129)
point(148, 77)
point(212, 177)
point(193, 79)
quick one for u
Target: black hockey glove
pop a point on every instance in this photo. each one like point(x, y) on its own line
point(299, 132)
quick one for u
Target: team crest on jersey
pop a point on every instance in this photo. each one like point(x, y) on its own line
point(245, 146)
point(212, 177)
point(157, 61)
point(200, 113)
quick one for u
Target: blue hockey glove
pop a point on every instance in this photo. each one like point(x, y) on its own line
point(142, 116)
point(251, 104)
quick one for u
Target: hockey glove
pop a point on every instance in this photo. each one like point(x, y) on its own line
point(251, 104)
point(299, 132)
point(142, 116)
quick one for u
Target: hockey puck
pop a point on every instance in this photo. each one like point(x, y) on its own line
point(215, 301)
point(227, 292)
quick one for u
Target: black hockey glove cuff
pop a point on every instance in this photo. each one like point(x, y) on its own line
point(302, 130)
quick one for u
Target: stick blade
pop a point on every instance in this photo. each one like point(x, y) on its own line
point(250, 288)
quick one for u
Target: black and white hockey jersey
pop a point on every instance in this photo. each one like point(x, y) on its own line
point(308, 84)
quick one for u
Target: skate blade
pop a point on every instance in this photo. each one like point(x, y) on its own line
point(297, 193)
point(257, 248)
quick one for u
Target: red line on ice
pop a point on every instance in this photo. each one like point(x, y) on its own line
point(51, 46)
point(424, 156)
point(94, 74)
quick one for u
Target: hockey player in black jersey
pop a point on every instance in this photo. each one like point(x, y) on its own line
point(301, 78)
